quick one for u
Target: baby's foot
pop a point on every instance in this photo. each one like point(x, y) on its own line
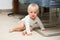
point(11, 30)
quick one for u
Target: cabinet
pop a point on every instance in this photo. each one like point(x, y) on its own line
point(15, 6)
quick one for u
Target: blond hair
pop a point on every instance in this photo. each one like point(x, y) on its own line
point(34, 6)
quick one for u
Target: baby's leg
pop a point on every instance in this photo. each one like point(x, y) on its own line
point(19, 27)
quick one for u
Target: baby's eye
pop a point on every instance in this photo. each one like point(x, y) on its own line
point(34, 12)
point(31, 12)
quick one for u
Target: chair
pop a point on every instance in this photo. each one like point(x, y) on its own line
point(54, 11)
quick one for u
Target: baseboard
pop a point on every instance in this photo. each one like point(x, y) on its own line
point(5, 10)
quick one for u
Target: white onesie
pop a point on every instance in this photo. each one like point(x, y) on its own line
point(34, 23)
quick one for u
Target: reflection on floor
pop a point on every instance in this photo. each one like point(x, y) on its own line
point(53, 31)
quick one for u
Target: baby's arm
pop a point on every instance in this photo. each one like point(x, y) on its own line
point(40, 24)
point(27, 25)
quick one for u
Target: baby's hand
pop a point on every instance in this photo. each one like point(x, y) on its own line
point(29, 34)
point(24, 32)
point(43, 30)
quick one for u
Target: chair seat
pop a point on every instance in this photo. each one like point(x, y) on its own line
point(55, 4)
point(56, 0)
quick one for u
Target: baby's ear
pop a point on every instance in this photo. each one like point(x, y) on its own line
point(38, 11)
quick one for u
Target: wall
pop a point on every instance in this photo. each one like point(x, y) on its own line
point(5, 4)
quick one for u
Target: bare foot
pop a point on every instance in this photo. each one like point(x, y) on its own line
point(11, 30)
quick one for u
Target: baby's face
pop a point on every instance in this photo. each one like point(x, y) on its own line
point(33, 13)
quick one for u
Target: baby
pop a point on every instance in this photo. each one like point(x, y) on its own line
point(30, 21)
